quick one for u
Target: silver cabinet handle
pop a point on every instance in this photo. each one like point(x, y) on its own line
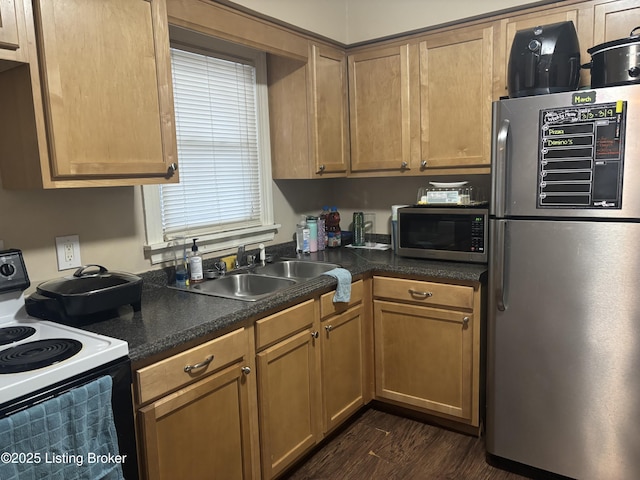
point(465, 322)
point(404, 164)
point(328, 328)
point(423, 164)
point(416, 293)
point(321, 168)
point(314, 334)
point(171, 170)
point(206, 362)
point(246, 370)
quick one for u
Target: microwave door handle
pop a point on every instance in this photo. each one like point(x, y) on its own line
point(499, 263)
point(500, 167)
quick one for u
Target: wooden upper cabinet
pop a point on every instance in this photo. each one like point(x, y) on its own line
point(102, 101)
point(456, 72)
point(329, 119)
point(308, 114)
point(384, 109)
point(615, 20)
point(8, 25)
point(13, 41)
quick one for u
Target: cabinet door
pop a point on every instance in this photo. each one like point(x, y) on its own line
point(615, 20)
point(424, 357)
point(456, 74)
point(342, 366)
point(384, 109)
point(8, 25)
point(288, 401)
point(107, 88)
point(201, 431)
point(328, 100)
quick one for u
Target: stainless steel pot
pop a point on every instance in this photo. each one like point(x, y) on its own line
point(616, 62)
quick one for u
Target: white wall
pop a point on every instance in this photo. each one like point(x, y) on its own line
point(353, 21)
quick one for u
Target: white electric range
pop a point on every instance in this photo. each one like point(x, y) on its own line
point(36, 354)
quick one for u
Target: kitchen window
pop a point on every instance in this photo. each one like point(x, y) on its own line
point(224, 195)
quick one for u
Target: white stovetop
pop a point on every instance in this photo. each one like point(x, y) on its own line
point(96, 350)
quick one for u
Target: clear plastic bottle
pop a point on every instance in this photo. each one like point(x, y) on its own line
point(312, 224)
point(321, 234)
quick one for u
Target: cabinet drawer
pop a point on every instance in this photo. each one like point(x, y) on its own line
point(427, 293)
point(169, 374)
point(327, 307)
point(282, 324)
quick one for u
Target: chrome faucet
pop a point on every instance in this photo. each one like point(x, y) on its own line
point(240, 257)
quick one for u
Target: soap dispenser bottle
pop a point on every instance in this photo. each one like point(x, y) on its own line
point(195, 264)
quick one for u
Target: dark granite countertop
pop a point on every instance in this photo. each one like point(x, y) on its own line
point(173, 319)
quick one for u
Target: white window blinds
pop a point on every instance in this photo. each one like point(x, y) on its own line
point(216, 128)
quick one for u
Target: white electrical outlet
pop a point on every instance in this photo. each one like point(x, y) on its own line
point(68, 251)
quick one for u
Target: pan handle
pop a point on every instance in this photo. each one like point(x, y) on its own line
point(80, 272)
point(637, 28)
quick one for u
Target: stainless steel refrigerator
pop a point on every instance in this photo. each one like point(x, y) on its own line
point(563, 332)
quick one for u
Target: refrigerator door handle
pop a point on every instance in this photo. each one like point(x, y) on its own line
point(500, 168)
point(499, 264)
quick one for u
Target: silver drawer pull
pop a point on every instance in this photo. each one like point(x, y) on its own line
point(415, 293)
point(206, 362)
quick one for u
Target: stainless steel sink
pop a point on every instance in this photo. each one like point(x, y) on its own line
point(297, 269)
point(260, 281)
point(243, 286)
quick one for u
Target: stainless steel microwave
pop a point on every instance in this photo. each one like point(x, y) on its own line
point(443, 233)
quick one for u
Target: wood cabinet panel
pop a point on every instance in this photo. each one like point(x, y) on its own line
point(8, 25)
point(423, 292)
point(279, 326)
point(615, 20)
point(343, 366)
point(424, 357)
point(110, 122)
point(456, 74)
point(288, 401)
point(169, 374)
point(203, 430)
point(308, 118)
point(329, 117)
point(383, 102)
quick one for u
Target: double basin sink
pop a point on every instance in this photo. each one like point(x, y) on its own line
point(259, 281)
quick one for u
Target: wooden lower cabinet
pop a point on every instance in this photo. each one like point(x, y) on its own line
point(343, 363)
point(288, 387)
point(427, 347)
point(205, 429)
point(310, 375)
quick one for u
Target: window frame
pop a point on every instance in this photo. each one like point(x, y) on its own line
point(157, 247)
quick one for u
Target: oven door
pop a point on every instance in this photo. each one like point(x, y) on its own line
point(121, 404)
point(455, 233)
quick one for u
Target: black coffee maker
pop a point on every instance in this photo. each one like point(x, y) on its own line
point(544, 59)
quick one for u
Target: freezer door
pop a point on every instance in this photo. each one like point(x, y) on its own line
point(523, 175)
point(563, 363)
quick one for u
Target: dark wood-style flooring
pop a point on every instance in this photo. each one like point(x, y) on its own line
point(382, 446)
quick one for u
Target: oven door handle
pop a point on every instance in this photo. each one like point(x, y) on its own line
point(204, 363)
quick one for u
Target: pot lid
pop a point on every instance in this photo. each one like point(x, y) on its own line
point(630, 40)
point(86, 280)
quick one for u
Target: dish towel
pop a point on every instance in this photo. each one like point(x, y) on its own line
point(343, 290)
point(71, 436)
